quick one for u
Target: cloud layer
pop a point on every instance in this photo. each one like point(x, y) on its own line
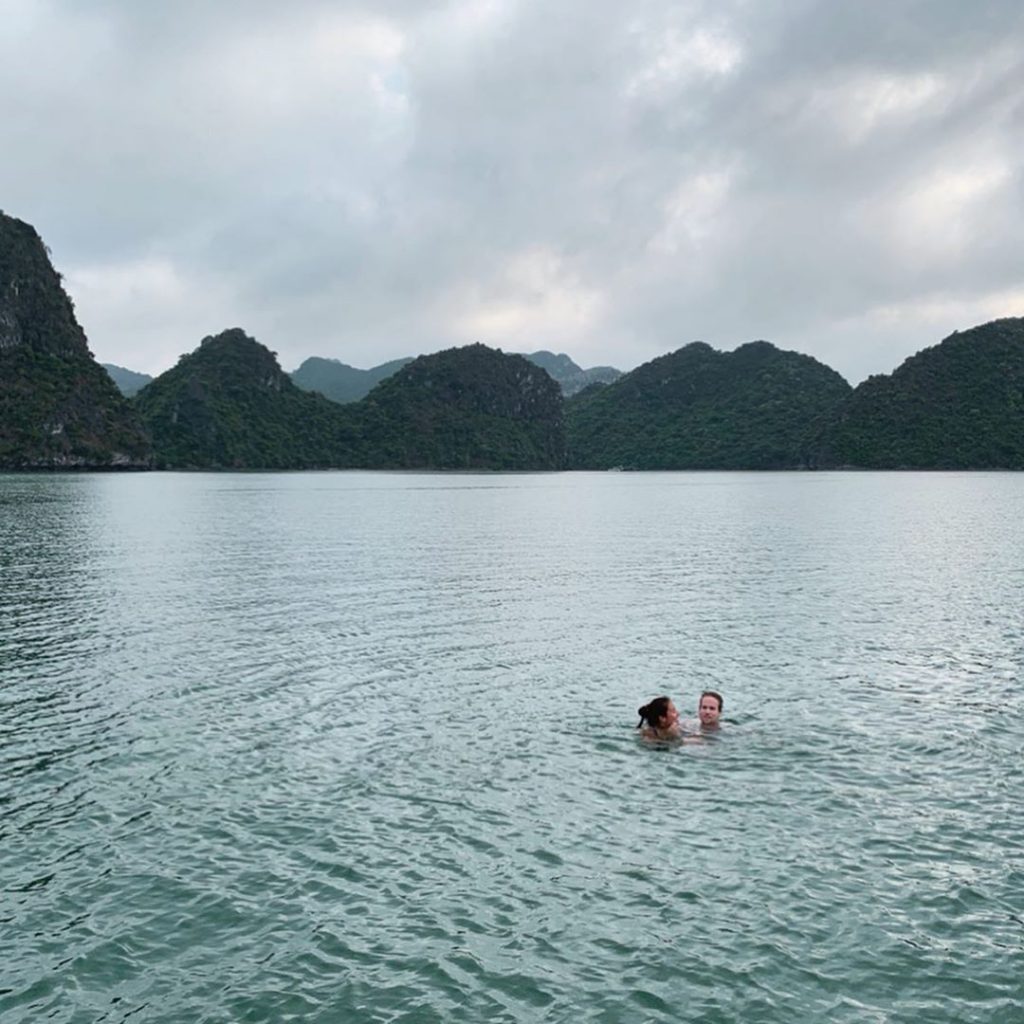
point(368, 180)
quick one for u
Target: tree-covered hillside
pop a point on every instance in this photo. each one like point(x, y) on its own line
point(343, 383)
point(956, 405)
point(698, 408)
point(58, 407)
point(466, 408)
point(229, 405)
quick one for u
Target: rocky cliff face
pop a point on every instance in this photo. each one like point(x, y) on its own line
point(571, 377)
point(58, 407)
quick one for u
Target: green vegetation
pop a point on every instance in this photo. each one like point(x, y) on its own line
point(698, 408)
point(128, 382)
point(228, 405)
point(956, 405)
point(466, 408)
point(343, 383)
point(58, 408)
point(340, 382)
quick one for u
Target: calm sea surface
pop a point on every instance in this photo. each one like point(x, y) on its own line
point(335, 747)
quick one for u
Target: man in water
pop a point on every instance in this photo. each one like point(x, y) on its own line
point(709, 709)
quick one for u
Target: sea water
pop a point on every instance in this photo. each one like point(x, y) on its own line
point(360, 747)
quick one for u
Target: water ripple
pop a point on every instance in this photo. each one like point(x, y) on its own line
point(360, 746)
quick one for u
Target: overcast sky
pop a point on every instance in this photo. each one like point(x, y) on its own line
point(367, 179)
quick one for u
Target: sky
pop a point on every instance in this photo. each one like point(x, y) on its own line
point(368, 179)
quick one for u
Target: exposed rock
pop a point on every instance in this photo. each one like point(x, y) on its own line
point(58, 408)
point(572, 378)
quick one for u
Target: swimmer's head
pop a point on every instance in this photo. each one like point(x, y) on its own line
point(660, 713)
point(709, 707)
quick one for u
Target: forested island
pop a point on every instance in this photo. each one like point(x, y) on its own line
point(343, 383)
point(58, 408)
point(697, 408)
point(228, 404)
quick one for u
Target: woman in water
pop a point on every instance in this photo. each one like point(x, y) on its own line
point(659, 720)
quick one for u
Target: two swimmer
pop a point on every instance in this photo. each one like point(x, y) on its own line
point(659, 719)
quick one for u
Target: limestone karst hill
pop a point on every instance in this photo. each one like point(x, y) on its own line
point(343, 383)
point(955, 405)
point(698, 408)
point(58, 407)
point(467, 408)
point(229, 405)
point(570, 375)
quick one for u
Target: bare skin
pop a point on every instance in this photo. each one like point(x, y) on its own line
point(709, 711)
point(666, 728)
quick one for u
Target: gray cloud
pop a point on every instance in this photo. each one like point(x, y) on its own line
point(371, 180)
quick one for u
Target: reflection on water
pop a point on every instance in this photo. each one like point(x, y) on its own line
point(340, 746)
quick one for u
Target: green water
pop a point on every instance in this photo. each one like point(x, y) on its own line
point(359, 747)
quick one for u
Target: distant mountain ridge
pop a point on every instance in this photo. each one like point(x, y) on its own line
point(128, 382)
point(343, 383)
point(571, 377)
point(229, 405)
point(340, 382)
point(956, 405)
point(58, 408)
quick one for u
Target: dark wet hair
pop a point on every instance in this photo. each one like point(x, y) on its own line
point(711, 693)
point(653, 712)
